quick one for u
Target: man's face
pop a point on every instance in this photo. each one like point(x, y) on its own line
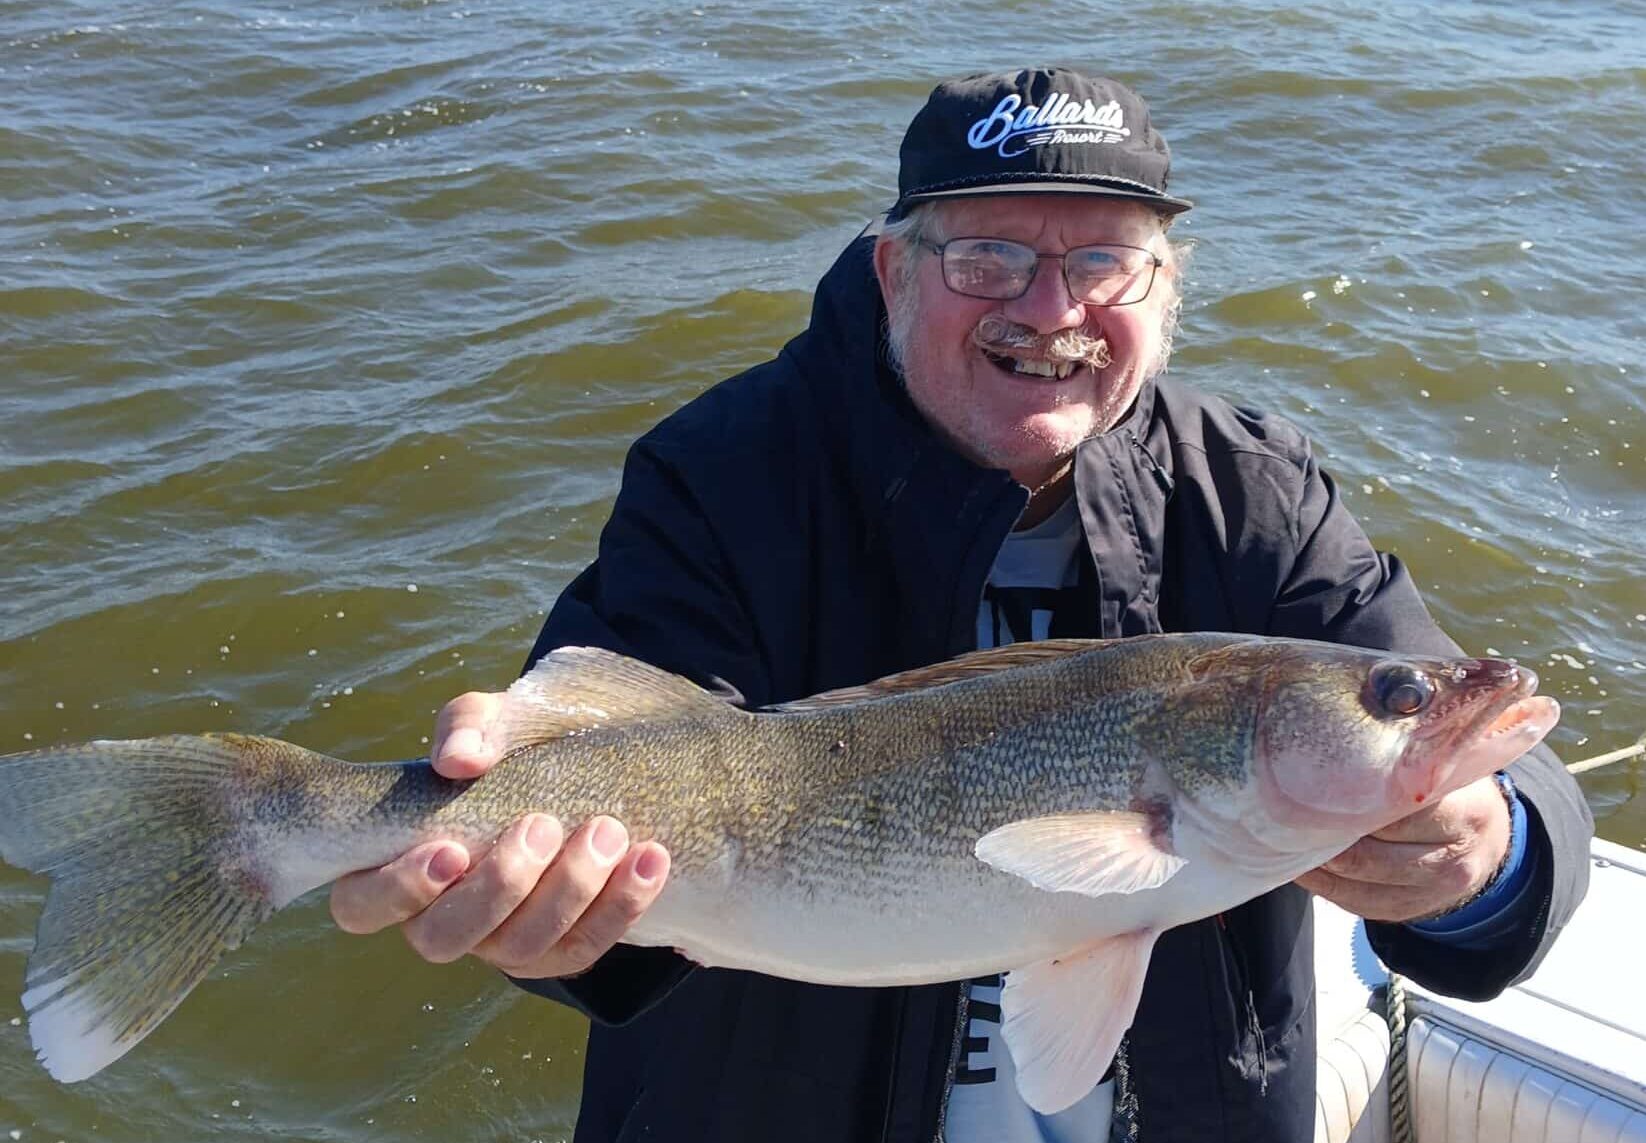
point(975, 395)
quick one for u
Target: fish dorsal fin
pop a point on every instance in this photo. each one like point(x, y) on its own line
point(573, 690)
point(1117, 851)
point(968, 666)
point(1062, 1020)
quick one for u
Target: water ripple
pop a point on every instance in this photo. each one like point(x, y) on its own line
point(312, 306)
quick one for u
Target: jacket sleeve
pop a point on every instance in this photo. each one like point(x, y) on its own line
point(659, 590)
point(1339, 588)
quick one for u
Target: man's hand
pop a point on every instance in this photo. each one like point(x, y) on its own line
point(534, 904)
point(1422, 865)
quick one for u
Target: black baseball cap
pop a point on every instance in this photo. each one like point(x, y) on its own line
point(1036, 131)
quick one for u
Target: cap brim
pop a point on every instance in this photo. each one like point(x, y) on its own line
point(1165, 203)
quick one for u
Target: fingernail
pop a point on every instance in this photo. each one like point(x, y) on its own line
point(651, 863)
point(445, 865)
point(609, 840)
point(542, 837)
point(465, 741)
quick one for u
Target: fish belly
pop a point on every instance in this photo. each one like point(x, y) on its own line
point(930, 931)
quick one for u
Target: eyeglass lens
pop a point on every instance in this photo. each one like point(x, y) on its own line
point(1103, 275)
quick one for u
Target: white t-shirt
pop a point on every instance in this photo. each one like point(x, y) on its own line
point(984, 1106)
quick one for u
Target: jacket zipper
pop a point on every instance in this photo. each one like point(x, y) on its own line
point(963, 636)
point(961, 1017)
point(1156, 469)
point(1249, 1001)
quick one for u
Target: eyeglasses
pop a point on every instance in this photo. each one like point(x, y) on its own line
point(1104, 274)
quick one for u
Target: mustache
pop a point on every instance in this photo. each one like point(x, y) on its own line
point(1001, 336)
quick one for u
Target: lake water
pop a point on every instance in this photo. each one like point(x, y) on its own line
point(326, 326)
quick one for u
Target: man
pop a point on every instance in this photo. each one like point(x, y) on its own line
point(969, 445)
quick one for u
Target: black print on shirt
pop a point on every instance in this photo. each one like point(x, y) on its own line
point(978, 1012)
point(1021, 614)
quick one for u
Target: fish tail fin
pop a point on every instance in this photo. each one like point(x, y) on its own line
point(152, 879)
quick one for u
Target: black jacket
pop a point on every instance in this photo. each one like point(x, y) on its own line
point(800, 528)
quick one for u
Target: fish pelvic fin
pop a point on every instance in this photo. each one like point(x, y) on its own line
point(575, 690)
point(152, 880)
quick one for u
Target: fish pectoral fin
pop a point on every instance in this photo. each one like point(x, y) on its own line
point(573, 690)
point(1063, 1019)
point(1119, 851)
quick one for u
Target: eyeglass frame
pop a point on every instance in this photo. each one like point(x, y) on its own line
point(1155, 263)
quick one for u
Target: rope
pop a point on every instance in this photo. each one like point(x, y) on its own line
point(1400, 1102)
point(1123, 1127)
point(1600, 760)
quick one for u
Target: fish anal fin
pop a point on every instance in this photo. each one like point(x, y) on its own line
point(573, 690)
point(968, 666)
point(1063, 1019)
point(1115, 851)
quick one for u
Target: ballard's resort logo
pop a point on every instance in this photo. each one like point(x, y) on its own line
point(1012, 128)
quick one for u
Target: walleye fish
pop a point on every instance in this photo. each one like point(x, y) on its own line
point(1043, 809)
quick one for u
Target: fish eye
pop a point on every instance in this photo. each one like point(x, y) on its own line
point(1400, 691)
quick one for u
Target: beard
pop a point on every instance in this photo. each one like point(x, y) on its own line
point(975, 431)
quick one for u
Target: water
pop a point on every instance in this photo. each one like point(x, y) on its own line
point(305, 306)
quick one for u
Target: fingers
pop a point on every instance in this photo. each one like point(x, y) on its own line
point(1374, 902)
point(558, 901)
point(628, 894)
point(534, 908)
point(1473, 809)
point(374, 899)
point(531, 906)
point(496, 885)
point(578, 913)
point(1389, 863)
point(1454, 847)
point(468, 735)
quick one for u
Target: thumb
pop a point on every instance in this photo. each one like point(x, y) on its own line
point(466, 735)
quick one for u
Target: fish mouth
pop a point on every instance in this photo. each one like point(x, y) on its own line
point(1500, 689)
point(1520, 715)
point(1510, 718)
